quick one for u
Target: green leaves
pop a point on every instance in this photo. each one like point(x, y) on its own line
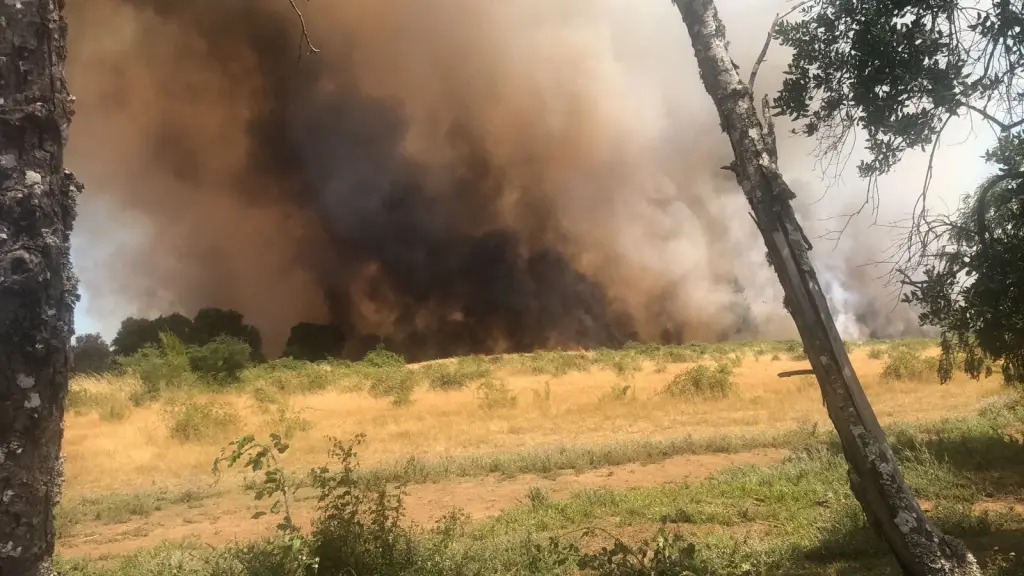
point(972, 287)
point(262, 457)
point(895, 70)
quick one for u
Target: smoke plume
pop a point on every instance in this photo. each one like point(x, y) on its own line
point(454, 176)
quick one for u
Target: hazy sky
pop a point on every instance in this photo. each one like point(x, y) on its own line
point(958, 164)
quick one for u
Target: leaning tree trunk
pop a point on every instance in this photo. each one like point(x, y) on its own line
point(891, 509)
point(37, 285)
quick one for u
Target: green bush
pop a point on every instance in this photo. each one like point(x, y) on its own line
point(198, 421)
point(906, 364)
point(702, 382)
point(624, 363)
point(359, 529)
point(381, 357)
point(555, 363)
point(398, 383)
point(876, 353)
point(220, 361)
point(289, 375)
point(158, 369)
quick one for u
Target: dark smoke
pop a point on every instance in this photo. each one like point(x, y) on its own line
point(386, 251)
point(469, 177)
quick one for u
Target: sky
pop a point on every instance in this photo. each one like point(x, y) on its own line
point(959, 169)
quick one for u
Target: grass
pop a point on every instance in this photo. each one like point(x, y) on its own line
point(797, 517)
point(191, 420)
point(580, 458)
point(102, 455)
point(530, 419)
point(120, 508)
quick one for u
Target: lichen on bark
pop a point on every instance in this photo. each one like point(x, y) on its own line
point(38, 289)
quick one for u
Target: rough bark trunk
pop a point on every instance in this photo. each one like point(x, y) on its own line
point(875, 479)
point(37, 285)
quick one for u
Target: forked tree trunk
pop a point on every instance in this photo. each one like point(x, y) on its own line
point(891, 509)
point(37, 286)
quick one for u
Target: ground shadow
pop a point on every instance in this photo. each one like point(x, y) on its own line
point(855, 550)
point(989, 458)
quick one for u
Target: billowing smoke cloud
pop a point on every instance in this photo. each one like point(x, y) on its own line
point(454, 176)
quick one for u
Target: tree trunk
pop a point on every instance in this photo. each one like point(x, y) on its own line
point(889, 504)
point(37, 285)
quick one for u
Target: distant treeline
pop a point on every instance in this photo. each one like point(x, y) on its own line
point(306, 341)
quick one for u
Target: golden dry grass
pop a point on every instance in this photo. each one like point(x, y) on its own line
point(138, 453)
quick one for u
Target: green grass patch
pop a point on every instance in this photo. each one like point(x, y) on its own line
point(120, 508)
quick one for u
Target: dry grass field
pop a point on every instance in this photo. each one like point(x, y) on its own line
point(706, 441)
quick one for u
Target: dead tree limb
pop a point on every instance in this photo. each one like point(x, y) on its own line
point(38, 289)
point(875, 478)
point(792, 373)
point(768, 42)
point(306, 47)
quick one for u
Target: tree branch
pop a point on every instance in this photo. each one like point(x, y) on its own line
point(1003, 126)
point(768, 42)
point(309, 49)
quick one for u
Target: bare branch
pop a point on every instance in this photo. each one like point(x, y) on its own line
point(1003, 126)
point(306, 45)
point(792, 373)
point(768, 42)
point(920, 210)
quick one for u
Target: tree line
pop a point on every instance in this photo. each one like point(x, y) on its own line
point(215, 332)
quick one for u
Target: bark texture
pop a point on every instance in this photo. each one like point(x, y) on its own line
point(38, 289)
point(875, 479)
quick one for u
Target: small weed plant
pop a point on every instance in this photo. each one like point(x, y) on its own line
point(495, 394)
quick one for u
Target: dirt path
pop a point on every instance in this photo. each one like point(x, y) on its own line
point(228, 518)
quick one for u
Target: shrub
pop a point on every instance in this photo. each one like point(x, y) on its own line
point(624, 363)
point(456, 375)
point(158, 369)
point(701, 381)
point(396, 383)
point(222, 360)
point(494, 394)
point(381, 357)
point(198, 421)
point(556, 363)
point(289, 375)
point(905, 364)
point(876, 353)
point(359, 527)
point(538, 497)
point(287, 421)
